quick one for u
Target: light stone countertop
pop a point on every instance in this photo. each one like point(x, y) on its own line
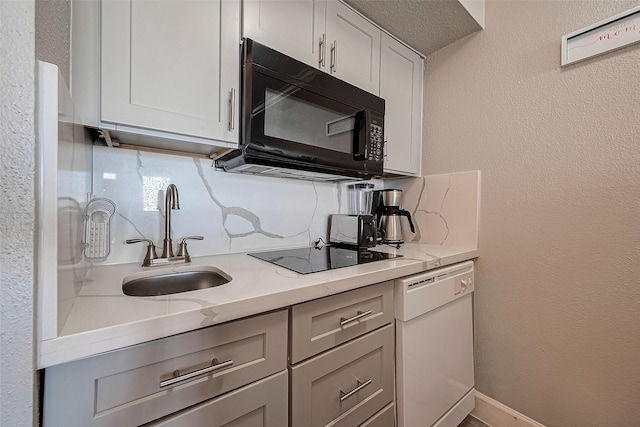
point(104, 319)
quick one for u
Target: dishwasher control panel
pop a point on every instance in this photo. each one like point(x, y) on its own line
point(463, 284)
point(423, 292)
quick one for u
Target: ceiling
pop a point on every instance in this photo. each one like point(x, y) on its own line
point(425, 25)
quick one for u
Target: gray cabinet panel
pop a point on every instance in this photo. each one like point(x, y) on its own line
point(261, 404)
point(324, 389)
point(119, 389)
point(385, 418)
point(315, 325)
point(122, 388)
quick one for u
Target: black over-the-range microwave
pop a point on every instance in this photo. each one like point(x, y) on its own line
point(300, 122)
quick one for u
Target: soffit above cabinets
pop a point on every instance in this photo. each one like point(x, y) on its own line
point(425, 25)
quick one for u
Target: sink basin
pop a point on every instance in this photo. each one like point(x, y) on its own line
point(173, 281)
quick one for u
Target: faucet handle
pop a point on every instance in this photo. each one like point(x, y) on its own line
point(182, 247)
point(151, 250)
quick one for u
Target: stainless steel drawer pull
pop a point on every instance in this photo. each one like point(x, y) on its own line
point(361, 385)
point(177, 378)
point(358, 316)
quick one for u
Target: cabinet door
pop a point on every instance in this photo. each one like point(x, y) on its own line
point(401, 72)
point(345, 386)
point(353, 47)
point(139, 384)
point(171, 66)
point(261, 404)
point(293, 27)
point(384, 418)
point(320, 324)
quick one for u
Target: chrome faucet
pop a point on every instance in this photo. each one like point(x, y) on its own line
point(171, 201)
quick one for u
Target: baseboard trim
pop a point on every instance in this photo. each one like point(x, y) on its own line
point(496, 414)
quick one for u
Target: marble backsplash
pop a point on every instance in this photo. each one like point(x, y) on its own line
point(233, 212)
point(239, 213)
point(444, 208)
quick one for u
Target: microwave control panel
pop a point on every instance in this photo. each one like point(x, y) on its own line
point(375, 144)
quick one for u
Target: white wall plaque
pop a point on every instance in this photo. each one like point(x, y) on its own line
point(613, 33)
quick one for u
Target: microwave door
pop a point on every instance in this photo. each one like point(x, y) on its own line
point(359, 136)
point(297, 123)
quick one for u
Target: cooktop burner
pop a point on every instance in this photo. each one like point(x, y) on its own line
point(313, 260)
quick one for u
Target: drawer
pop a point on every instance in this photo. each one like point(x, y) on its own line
point(346, 385)
point(261, 404)
point(136, 385)
point(324, 323)
point(385, 418)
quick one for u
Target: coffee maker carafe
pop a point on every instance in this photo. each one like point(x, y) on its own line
point(388, 211)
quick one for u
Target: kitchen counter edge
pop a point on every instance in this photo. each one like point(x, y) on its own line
point(279, 288)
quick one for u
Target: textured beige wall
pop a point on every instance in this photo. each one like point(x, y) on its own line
point(557, 298)
point(18, 401)
point(53, 34)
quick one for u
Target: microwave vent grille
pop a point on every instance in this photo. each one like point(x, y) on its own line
point(277, 172)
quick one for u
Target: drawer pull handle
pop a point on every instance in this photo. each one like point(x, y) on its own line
point(358, 316)
point(344, 396)
point(177, 378)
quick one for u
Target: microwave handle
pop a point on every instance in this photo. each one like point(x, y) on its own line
point(360, 136)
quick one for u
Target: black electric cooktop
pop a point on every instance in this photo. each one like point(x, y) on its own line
point(313, 260)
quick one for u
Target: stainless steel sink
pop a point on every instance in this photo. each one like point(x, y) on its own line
point(176, 280)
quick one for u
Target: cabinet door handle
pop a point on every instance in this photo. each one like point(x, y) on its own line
point(177, 378)
point(358, 316)
point(232, 109)
point(334, 56)
point(344, 396)
point(321, 50)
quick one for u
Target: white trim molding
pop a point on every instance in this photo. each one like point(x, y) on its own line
point(495, 414)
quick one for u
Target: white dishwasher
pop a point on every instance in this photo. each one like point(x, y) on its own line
point(434, 347)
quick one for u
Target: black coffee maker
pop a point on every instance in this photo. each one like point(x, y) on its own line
point(387, 207)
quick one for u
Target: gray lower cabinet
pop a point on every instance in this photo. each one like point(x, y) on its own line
point(346, 385)
point(342, 360)
point(321, 324)
point(341, 372)
point(261, 404)
point(144, 383)
point(386, 417)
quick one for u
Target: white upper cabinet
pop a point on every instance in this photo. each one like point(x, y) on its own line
point(167, 73)
point(354, 47)
point(294, 27)
point(325, 34)
point(401, 71)
point(171, 66)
